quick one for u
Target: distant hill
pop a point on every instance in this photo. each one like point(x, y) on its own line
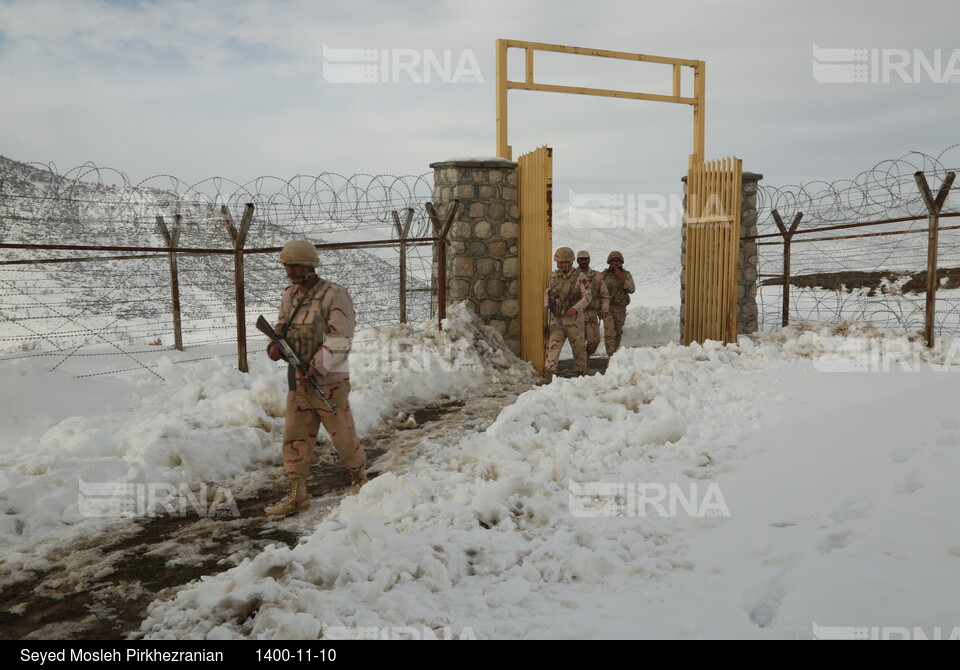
point(651, 252)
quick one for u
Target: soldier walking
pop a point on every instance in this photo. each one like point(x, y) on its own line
point(619, 283)
point(599, 303)
point(317, 319)
point(567, 295)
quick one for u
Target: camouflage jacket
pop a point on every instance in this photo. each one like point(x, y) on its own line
point(599, 294)
point(321, 331)
point(620, 290)
point(566, 291)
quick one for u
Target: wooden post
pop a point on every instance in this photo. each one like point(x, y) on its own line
point(239, 238)
point(440, 231)
point(699, 109)
point(787, 238)
point(934, 205)
point(504, 150)
point(172, 240)
point(402, 232)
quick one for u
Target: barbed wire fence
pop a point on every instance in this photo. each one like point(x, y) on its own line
point(81, 302)
point(859, 251)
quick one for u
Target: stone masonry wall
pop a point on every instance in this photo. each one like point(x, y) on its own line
point(483, 265)
point(747, 313)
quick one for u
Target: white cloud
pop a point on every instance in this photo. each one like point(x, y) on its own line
point(240, 86)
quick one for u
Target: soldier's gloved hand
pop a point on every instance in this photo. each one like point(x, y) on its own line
point(570, 312)
point(273, 352)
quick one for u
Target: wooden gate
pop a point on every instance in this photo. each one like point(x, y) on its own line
point(712, 225)
point(535, 199)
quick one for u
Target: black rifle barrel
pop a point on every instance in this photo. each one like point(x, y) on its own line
point(290, 356)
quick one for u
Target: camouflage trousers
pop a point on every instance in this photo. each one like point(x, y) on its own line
point(591, 331)
point(305, 413)
point(562, 329)
point(613, 328)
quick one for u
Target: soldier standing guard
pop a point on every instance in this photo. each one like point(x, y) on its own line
point(599, 303)
point(620, 285)
point(318, 320)
point(567, 295)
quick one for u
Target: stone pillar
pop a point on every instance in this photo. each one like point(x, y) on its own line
point(483, 264)
point(747, 313)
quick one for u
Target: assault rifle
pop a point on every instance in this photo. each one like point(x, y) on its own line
point(290, 356)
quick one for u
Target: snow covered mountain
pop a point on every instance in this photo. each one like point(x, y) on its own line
point(71, 304)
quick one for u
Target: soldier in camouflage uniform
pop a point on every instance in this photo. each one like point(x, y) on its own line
point(318, 320)
point(620, 285)
point(599, 303)
point(567, 295)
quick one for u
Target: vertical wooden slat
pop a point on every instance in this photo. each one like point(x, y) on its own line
point(704, 254)
point(535, 194)
point(715, 267)
point(503, 149)
point(722, 235)
point(697, 323)
point(698, 326)
point(691, 316)
point(712, 288)
point(723, 229)
point(704, 309)
point(699, 108)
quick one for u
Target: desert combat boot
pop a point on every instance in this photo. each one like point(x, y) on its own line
point(358, 477)
point(297, 499)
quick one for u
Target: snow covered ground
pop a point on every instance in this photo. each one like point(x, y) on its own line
point(799, 484)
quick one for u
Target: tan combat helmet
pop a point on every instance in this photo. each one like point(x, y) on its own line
point(615, 255)
point(299, 252)
point(564, 254)
point(583, 254)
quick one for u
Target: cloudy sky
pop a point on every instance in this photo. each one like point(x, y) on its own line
point(244, 88)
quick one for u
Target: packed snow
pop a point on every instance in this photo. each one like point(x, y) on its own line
point(196, 421)
point(794, 485)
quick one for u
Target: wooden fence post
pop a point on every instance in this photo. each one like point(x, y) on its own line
point(239, 238)
point(172, 240)
point(440, 231)
point(402, 232)
point(934, 205)
point(787, 238)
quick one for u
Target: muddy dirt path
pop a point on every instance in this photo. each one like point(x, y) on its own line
point(98, 589)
